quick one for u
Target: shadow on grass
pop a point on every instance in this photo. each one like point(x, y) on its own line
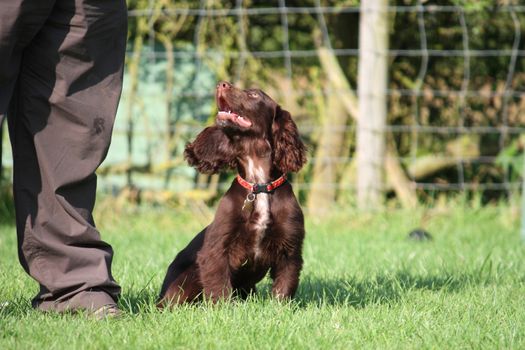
point(139, 301)
point(381, 289)
point(136, 303)
point(351, 291)
point(359, 293)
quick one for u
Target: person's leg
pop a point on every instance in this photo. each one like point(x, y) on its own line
point(60, 121)
point(20, 20)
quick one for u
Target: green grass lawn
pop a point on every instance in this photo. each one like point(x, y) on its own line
point(364, 285)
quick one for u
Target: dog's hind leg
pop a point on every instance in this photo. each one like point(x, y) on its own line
point(183, 260)
point(185, 288)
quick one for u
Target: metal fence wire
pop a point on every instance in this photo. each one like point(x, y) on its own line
point(456, 102)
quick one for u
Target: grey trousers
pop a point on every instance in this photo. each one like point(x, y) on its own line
point(61, 64)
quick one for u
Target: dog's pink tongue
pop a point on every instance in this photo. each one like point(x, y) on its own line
point(243, 122)
point(237, 119)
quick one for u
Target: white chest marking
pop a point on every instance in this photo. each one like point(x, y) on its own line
point(261, 207)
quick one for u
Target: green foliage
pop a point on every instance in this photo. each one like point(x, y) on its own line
point(7, 209)
point(474, 5)
point(224, 50)
point(512, 157)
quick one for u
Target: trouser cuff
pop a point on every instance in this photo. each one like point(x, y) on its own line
point(87, 300)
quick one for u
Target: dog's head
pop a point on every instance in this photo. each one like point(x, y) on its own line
point(246, 117)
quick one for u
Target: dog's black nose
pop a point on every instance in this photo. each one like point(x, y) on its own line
point(223, 85)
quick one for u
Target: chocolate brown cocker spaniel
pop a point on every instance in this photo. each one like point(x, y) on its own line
point(259, 225)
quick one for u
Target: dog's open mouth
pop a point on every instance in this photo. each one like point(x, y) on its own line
point(227, 115)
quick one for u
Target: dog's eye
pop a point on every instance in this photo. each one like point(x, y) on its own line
point(253, 94)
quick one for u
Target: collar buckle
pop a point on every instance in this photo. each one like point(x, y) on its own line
point(261, 188)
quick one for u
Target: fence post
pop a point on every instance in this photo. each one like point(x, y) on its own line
point(372, 85)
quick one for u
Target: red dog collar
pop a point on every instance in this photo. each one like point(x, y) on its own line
point(255, 188)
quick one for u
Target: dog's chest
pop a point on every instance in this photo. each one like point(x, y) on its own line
point(260, 217)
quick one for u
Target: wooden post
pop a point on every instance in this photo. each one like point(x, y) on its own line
point(372, 85)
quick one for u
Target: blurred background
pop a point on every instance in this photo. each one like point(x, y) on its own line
point(401, 103)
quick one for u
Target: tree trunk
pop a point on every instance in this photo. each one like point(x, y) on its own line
point(372, 85)
point(323, 190)
point(342, 89)
point(404, 188)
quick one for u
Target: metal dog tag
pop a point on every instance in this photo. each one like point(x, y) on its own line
point(248, 202)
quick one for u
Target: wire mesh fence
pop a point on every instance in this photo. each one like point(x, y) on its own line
point(456, 89)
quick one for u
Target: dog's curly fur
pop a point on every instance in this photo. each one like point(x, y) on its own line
point(260, 140)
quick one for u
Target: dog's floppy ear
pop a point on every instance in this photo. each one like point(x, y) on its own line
point(289, 151)
point(211, 151)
